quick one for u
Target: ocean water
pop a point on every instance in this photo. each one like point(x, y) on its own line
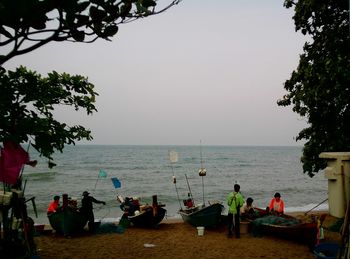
point(146, 170)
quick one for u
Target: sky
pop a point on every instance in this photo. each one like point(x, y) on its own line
point(209, 71)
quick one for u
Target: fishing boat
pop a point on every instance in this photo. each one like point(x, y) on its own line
point(285, 226)
point(148, 217)
point(198, 215)
point(142, 215)
point(204, 216)
point(67, 221)
point(254, 214)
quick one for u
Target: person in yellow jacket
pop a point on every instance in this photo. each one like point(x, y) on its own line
point(235, 201)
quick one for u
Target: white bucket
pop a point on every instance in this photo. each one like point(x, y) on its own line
point(200, 231)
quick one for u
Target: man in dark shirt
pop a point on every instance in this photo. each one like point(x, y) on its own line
point(87, 209)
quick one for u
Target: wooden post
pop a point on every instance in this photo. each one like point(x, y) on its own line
point(345, 234)
point(155, 205)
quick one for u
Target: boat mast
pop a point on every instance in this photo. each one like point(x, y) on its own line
point(202, 170)
point(189, 189)
point(173, 158)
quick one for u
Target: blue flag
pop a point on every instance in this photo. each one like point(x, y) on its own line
point(102, 174)
point(116, 182)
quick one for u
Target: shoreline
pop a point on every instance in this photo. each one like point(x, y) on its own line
point(177, 217)
point(173, 238)
point(46, 228)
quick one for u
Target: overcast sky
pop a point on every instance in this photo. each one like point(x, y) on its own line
point(204, 70)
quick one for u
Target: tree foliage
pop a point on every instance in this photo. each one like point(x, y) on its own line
point(319, 89)
point(28, 100)
point(27, 104)
point(26, 25)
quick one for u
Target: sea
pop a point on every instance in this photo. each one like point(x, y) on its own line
point(148, 170)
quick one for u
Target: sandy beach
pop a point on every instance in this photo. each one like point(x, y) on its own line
point(174, 239)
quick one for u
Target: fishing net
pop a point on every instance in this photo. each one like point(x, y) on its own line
point(106, 228)
point(112, 227)
point(252, 214)
point(257, 224)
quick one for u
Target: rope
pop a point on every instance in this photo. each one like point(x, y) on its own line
point(316, 206)
point(173, 158)
point(104, 216)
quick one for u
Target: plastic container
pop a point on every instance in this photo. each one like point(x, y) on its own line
point(200, 231)
point(326, 250)
point(244, 227)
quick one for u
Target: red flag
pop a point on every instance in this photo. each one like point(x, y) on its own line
point(12, 158)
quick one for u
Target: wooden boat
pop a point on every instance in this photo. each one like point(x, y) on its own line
point(205, 216)
point(67, 221)
point(287, 227)
point(148, 217)
point(200, 215)
point(142, 215)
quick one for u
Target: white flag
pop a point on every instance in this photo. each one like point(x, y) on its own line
point(173, 157)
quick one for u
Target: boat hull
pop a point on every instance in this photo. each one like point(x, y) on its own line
point(67, 221)
point(302, 232)
point(149, 218)
point(208, 216)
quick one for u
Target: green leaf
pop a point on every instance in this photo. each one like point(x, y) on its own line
point(78, 35)
point(148, 3)
point(83, 6)
point(82, 19)
point(111, 31)
point(97, 14)
point(125, 10)
point(27, 104)
point(318, 90)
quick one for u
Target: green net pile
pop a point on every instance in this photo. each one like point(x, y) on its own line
point(257, 229)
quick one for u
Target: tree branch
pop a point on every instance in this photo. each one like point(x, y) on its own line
point(70, 27)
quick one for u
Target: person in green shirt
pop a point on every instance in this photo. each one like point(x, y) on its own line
point(235, 201)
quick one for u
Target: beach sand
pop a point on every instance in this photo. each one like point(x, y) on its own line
point(174, 239)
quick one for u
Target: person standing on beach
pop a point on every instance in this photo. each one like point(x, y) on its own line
point(276, 204)
point(87, 209)
point(235, 201)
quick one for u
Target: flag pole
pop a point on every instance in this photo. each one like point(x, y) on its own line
point(101, 174)
point(96, 183)
point(22, 169)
